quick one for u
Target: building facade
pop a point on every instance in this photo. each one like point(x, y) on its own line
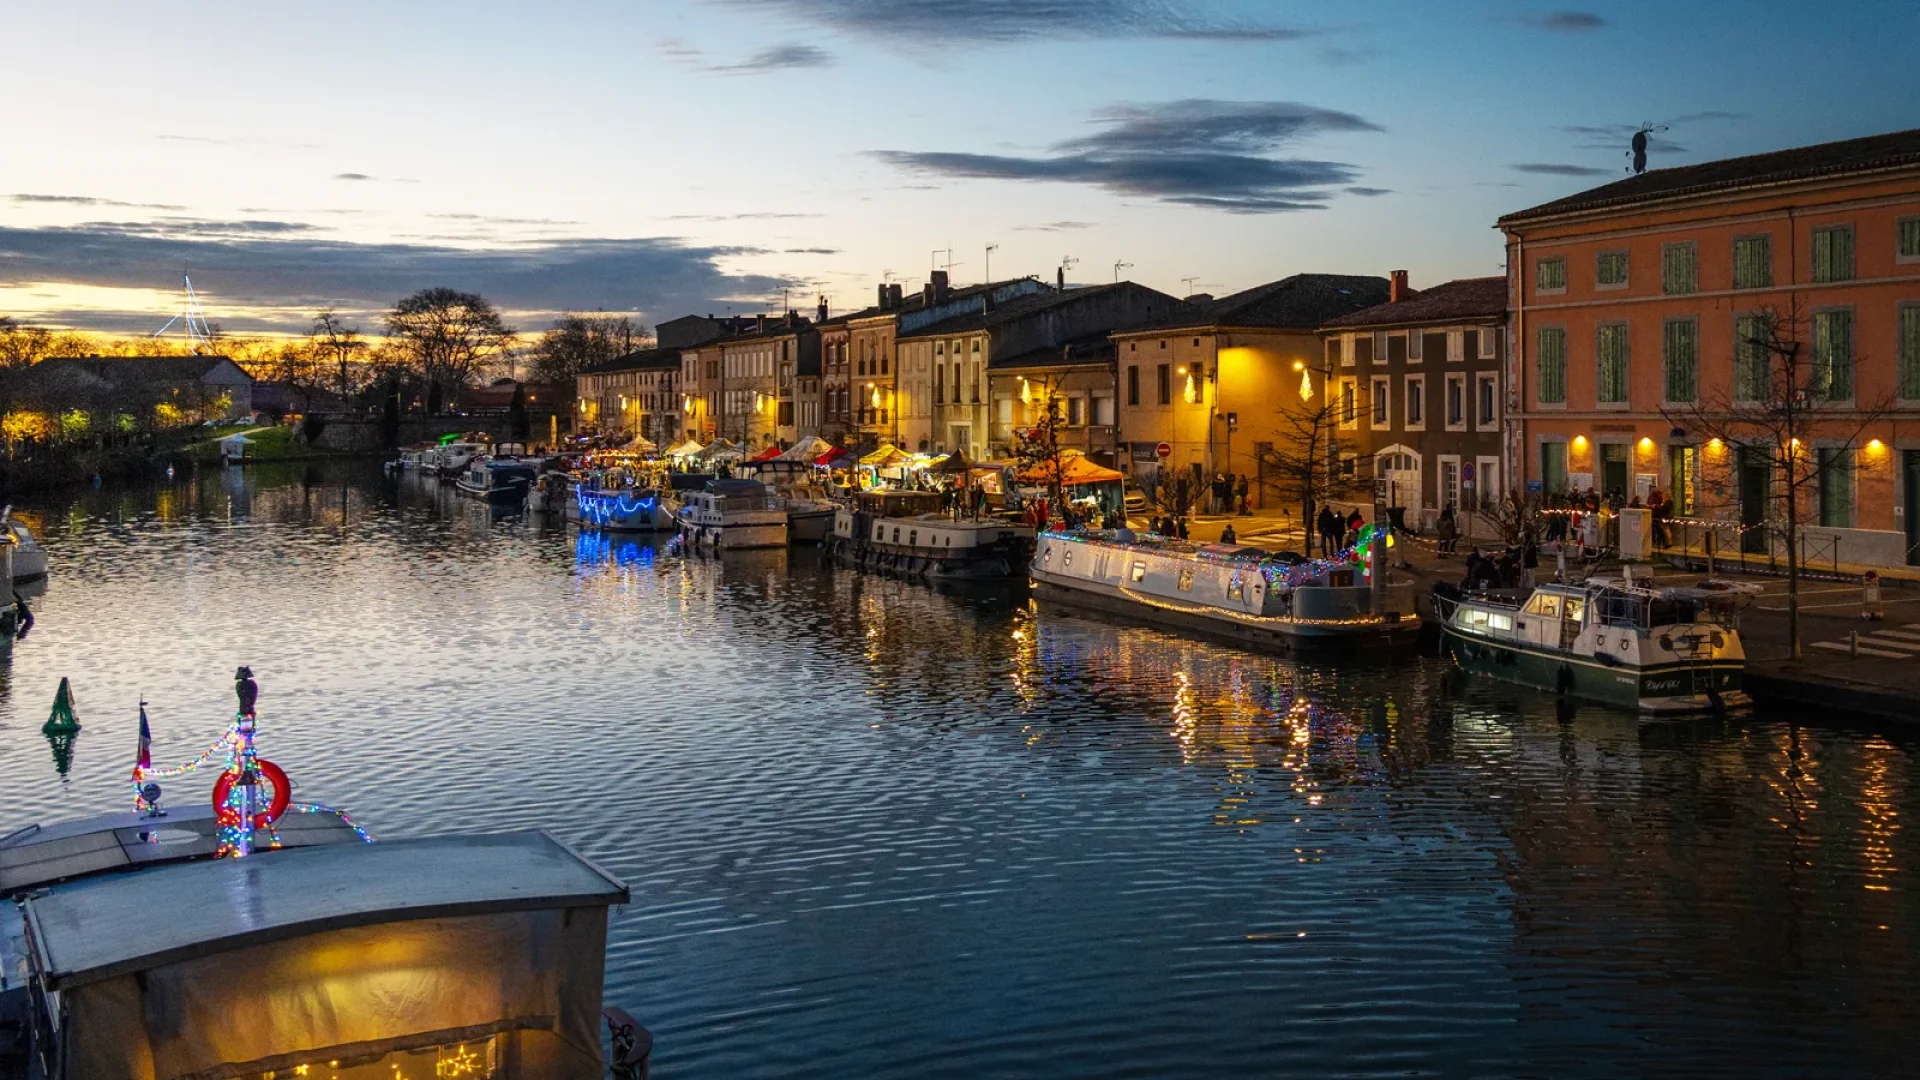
point(1658, 319)
point(1212, 381)
point(1418, 386)
point(636, 394)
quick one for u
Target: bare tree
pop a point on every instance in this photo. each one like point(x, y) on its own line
point(576, 342)
point(1792, 410)
point(448, 337)
point(1312, 459)
point(343, 344)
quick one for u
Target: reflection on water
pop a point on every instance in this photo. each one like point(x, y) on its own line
point(877, 830)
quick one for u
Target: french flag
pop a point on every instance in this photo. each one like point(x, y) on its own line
point(145, 760)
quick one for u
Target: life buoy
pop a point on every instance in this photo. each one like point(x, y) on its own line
point(282, 796)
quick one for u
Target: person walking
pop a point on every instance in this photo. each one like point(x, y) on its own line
point(1447, 531)
point(1354, 524)
point(1246, 508)
point(1180, 526)
point(1327, 526)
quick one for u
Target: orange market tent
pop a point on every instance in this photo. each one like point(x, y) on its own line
point(1075, 470)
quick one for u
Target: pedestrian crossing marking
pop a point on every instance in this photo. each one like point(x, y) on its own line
point(1899, 632)
point(1841, 646)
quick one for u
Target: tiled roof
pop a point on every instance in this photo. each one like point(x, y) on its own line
point(914, 301)
point(1875, 152)
point(638, 360)
point(1300, 302)
point(1468, 298)
point(1095, 349)
point(1008, 311)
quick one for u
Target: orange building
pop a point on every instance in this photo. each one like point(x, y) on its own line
point(1636, 308)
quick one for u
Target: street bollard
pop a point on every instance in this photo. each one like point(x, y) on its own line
point(1853, 644)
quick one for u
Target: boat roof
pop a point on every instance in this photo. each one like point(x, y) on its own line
point(43, 854)
point(91, 930)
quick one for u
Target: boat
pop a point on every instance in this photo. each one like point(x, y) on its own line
point(413, 459)
point(612, 499)
point(1614, 641)
point(809, 521)
point(905, 532)
point(501, 483)
point(28, 559)
point(193, 942)
point(1242, 596)
point(729, 514)
point(451, 461)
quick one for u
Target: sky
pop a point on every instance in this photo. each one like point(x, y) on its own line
point(708, 156)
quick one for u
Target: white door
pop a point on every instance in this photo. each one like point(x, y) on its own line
point(1486, 481)
point(1450, 484)
point(1401, 470)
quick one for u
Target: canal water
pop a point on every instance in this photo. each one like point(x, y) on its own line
point(875, 830)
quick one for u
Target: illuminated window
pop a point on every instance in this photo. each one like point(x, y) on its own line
point(1139, 571)
point(1186, 579)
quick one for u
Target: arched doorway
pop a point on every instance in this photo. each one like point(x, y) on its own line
point(1399, 466)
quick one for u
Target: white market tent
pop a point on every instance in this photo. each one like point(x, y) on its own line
point(808, 449)
point(687, 449)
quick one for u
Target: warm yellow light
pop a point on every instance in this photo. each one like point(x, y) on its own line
point(1876, 447)
point(1182, 369)
point(1713, 445)
point(1646, 445)
point(1192, 394)
point(1026, 393)
point(1306, 385)
point(1579, 441)
point(876, 396)
point(1299, 365)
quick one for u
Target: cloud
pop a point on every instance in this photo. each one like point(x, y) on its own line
point(1055, 226)
point(1565, 22)
point(88, 200)
point(238, 141)
point(811, 251)
point(1208, 154)
point(756, 216)
point(1547, 168)
point(925, 21)
point(1368, 192)
point(778, 58)
point(360, 177)
point(486, 219)
point(274, 279)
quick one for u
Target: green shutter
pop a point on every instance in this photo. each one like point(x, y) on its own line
point(1910, 238)
point(1680, 269)
point(1833, 355)
point(1612, 269)
point(1552, 274)
point(1752, 364)
point(1836, 488)
point(1682, 360)
point(1611, 347)
point(1552, 360)
point(1753, 262)
point(1833, 254)
point(1910, 353)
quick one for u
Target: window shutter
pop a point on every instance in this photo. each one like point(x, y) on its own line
point(1552, 360)
point(1910, 354)
point(1612, 349)
point(1833, 355)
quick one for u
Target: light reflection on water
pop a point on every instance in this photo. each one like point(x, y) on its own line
point(875, 830)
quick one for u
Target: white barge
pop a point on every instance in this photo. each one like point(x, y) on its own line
point(1239, 595)
point(901, 532)
point(731, 514)
point(1654, 650)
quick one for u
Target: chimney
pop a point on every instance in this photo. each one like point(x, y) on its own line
point(883, 296)
point(1398, 290)
point(986, 302)
point(760, 324)
point(1060, 279)
point(823, 309)
point(926, 295)
point(939, 286)
point(895, 295)
point(793, 318)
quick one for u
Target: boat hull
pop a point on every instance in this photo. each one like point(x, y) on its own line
point(607, 510)
point(809, 526)
point(1280, 637)
point(504, 495)
point(1661, 689)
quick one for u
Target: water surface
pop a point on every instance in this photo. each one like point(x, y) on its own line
point(875, 830)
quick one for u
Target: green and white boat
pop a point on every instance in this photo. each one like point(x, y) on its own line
point(1659, 651)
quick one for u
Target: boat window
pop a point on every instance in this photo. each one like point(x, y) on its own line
point(1479, 619)
point(1499, 621)
point(1236, 588)
point(896, 534)
point(1544, 604)
point(1046, 557)
point(1576, 608)
point(1186, 579)
point(1066, 560)
point(877, 531)
point(1139, 571)
point(913, 537)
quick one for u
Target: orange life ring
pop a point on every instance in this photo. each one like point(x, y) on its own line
point(282, 796)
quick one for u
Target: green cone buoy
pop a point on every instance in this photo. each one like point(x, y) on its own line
point(62, 721)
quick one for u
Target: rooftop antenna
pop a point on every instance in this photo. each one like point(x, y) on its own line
point(991, 248)
point(1639, 151)
point(193, 320)
point(1188, 282)
point(933, 261)
point(1066, 263)
point(1119, 266)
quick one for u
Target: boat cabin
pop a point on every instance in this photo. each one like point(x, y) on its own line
point(445, 956)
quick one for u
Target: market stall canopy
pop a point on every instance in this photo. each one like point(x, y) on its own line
point(771, 453)
point(643, 445)
point(1075, 470)
point(722, 450)
point(689, 448)
point(807, 449)
point(888, 455)
point(837, 458)
point(955, 462)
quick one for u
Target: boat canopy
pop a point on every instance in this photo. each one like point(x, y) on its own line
point(237, 967)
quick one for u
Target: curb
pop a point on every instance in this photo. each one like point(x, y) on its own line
point(1829, 694)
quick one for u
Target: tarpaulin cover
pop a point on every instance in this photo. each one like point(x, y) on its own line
point(354, 992)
